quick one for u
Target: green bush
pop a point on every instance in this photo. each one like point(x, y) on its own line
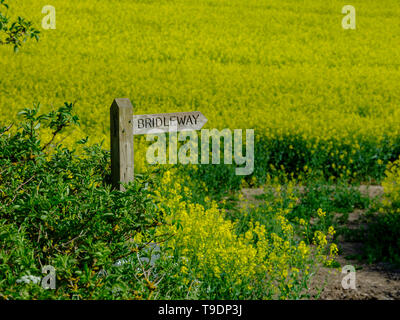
point(383, 238)
point(16, 32)
point(383, 233)
point(57, 209)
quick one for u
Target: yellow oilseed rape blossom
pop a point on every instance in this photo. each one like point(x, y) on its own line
point(321, 213)
point(328, 109)
point(391, 183)
point(212, 249)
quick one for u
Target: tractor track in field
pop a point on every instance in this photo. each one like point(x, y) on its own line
point(377, 281)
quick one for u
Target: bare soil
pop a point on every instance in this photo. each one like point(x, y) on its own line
point(373, 282)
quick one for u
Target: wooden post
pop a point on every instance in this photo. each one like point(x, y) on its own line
point(122, 153)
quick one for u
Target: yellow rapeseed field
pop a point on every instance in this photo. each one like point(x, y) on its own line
point(277, 66)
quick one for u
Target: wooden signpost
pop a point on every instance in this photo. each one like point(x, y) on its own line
point(121, 131)
point(124, 125)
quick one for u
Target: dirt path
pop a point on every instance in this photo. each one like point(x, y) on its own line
point(373, 281)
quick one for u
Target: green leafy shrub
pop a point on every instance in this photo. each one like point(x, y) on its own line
point(383, 234)
point(15, 32)
point(57, 209)
point(383, 238)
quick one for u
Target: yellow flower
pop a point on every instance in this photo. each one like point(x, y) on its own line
point(331, 231)
point(321, 213)
point(333, 250)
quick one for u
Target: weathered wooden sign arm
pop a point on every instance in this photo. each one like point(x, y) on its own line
point(184, 121)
